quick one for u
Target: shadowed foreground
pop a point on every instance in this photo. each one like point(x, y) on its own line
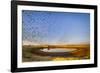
point(34, 53)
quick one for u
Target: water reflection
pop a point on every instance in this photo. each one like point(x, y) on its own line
point(58, 50)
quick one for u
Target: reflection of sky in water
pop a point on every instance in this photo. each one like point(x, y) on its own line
point(55, 27)
point(58, 50)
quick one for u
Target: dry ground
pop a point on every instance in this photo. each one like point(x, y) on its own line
point(33, 53)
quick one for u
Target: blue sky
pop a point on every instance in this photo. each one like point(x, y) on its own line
point(55, 27)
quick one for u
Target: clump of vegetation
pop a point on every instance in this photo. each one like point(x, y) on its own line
point(28, 56)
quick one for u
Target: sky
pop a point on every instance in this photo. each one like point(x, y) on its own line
point(48, 27)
